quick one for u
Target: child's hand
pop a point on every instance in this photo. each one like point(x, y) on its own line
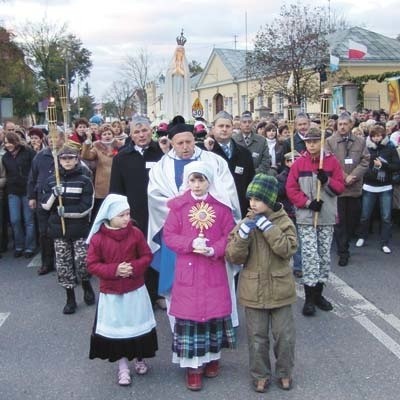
point(124, 270)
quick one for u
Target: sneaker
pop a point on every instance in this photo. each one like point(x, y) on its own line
point(386, 249)
point(360, 242)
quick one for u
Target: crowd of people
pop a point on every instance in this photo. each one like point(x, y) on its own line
point(189, 218)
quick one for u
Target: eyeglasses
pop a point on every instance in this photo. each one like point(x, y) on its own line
point(68, 157)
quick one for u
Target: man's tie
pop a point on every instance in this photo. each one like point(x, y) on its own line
point(226, 149)
point(247, 140)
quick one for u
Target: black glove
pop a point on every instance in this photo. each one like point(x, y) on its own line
point(315, 205)
point(322, 176)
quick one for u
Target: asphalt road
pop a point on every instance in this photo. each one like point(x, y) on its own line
point(352, 353)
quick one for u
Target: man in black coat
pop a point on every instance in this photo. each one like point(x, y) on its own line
point(238, 157)
point(130, 177)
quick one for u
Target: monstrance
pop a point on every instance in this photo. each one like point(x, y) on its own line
point(202, 217)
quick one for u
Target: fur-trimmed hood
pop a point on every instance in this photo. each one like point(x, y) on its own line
point(373, 145)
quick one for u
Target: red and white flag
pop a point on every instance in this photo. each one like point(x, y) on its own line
point(357, 51)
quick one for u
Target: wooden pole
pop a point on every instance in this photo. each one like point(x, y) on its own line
point(324, 116)
point(63, 101)
point(52, 120)
point(291, 128)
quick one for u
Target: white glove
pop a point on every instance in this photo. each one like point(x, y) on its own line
point(210, 252)
point(199, 243)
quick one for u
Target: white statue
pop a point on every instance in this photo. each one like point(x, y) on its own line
point(177, 84)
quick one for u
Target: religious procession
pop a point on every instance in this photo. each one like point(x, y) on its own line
point(200, 217)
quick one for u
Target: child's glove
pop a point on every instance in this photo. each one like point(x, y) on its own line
point(322, 176)
point(60, 211)
point(315, 205)
point(199, 243)
point(246, 228)
point(263, 223)
point(58, 190)
point(209, 252)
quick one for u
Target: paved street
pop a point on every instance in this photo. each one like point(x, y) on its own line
point(352, 353)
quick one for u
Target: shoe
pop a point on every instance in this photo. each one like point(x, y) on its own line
point(309, 304)
point(124, 377)
point(29, 254)
point(386, 249)
point(161, 303)
point(193, 379)
point(285, 383)
point(70, 306)
point(212, 369)
point(320, 301)
point(360, 242)
point(43, 270)
point(18, 253)
point(88, 293)
point(141, 367)
point(297, 273)
point(261, 385)
point(343, 261)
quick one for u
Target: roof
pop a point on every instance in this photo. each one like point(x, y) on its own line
point(379, 48)
point(234, 61)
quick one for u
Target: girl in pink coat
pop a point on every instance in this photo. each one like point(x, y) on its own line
point(197, 229)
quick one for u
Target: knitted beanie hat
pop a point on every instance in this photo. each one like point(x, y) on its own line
point(265, 188)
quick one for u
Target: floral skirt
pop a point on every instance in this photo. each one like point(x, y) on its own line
point(197, 339)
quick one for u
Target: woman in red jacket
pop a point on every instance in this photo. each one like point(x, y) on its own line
point(118, 254)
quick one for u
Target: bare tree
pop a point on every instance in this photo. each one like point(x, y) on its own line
point(137, 71)
point(291, 51)
point(121, 95)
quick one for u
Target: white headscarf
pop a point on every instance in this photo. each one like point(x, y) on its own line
point(205, 169)
point(112, 205)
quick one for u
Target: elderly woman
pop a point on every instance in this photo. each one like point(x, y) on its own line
point(17, 162)
point(102, 151)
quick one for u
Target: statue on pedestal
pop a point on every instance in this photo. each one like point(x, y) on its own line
point(177, 83)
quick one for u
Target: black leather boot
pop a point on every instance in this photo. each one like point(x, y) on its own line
point(47, 251)
point(309, 307)
point(70, 306)
point(320, 301)
point(88, 293)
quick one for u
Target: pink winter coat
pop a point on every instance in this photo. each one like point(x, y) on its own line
point(200, 290)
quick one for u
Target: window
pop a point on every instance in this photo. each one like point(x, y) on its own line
point(279, 99)
point(206, 109)
point(260, 100)
point(243, 104)
point(252, 105)
point(229, 105)
point(303, 104)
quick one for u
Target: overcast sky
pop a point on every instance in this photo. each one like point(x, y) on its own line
point(113, 29)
